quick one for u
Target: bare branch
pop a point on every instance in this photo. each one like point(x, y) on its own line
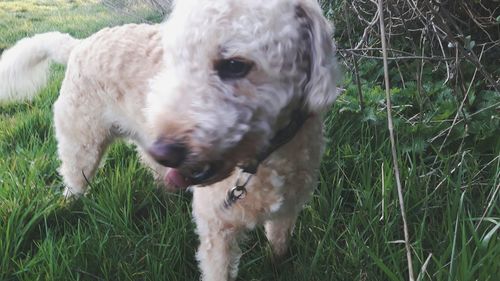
point(393, 145)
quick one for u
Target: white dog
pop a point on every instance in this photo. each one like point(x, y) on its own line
point(221, 86)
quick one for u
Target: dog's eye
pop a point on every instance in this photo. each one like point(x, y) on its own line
point(234, 68)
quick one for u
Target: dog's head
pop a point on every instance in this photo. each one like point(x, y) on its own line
point(234, 72)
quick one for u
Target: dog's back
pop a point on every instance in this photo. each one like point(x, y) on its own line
point(124, 53)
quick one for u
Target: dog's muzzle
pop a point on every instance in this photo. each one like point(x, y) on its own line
point(181, 175)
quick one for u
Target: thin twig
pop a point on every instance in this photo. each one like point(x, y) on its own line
point(459, 108)
point(412, 57)
point(365, 32)
point(355, 60)
point(393, 143)
point(383, 192)
point(424, 268)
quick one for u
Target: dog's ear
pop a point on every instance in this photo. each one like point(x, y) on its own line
point(319, 51)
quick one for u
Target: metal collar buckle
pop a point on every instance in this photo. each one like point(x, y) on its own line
point(239, 190)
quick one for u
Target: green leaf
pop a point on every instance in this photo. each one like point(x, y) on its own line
point(485, 241)
point(369, 114)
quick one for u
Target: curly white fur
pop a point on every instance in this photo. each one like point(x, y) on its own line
point(150, 82)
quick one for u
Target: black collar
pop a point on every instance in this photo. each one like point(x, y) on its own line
point(282, 137)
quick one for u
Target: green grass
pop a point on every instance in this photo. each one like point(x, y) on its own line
point(127, 230)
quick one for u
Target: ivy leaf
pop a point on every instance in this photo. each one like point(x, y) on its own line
point(369, 114)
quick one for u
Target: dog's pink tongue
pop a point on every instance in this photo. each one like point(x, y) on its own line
point(173, 177)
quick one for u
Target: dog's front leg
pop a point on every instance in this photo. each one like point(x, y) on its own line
point(278, 232)
point(218, 254)
point(82, 135)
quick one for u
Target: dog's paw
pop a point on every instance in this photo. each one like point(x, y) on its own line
point(70, 194)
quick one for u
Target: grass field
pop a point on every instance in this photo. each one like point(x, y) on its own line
point(125, 229)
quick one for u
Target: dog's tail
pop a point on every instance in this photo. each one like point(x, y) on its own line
point(24, 68)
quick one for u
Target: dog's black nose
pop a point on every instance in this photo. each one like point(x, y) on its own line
point(168, 154)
